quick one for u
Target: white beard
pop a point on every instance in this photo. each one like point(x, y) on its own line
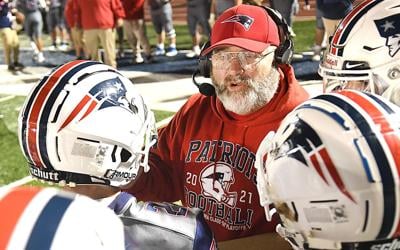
point(259, 92)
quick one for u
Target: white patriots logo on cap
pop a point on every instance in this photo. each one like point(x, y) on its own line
point(244, 20)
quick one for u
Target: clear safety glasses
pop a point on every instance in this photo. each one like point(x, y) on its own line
point(248, 61)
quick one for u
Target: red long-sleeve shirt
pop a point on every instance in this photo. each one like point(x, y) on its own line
point(205, 158)
point(99, 14)
point(134, 9)
point(70, 13)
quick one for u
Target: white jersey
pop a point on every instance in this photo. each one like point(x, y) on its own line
point(154, 225)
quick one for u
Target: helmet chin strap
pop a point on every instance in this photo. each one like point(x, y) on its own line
point(299, 242)
point(262, 176)
point(295, 239)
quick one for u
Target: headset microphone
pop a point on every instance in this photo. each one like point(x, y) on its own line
point(205, 88)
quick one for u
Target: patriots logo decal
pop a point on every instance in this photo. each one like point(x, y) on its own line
point(304, 145)
point(108, 93)
point(389, 28)
point(244, 20)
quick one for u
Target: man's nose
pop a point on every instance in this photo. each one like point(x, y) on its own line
point(235, 65)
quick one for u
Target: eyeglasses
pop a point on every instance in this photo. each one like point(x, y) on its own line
point(222, 60)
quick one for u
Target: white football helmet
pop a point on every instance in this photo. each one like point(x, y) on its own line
point(48, 218)
point(331, 172)
point(364, 52)
point(85, 123)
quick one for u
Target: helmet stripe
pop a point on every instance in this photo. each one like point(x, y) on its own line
point(43, 232)
point(89, 110)
point(38, 110)
point(37, 107)
point(24, 118)
point(381, 158)
point(75, 112)
point(44, 118)
point(334, 173)
point(10, 215)
point(392, 140)
point(347, 24)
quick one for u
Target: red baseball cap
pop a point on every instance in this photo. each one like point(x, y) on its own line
point(245, 26)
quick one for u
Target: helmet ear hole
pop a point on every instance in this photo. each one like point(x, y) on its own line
point(125, 155)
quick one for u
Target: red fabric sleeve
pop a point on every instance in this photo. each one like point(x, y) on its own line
point(78, 13)
point(117, 9)
point(164, 180)
point(133, 9)
point(69, 14)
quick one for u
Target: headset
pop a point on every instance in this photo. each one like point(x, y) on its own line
point(283, 53)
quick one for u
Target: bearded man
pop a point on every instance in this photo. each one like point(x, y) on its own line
point(205, 155)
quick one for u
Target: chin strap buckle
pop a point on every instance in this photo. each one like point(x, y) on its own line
point(295, 239)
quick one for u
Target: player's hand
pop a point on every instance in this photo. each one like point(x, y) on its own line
point(211, 20)
point(307, 7)
point(120, 22)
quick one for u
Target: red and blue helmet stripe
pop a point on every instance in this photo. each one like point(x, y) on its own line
point(38, 108)
point(383, 148)
point(346, 25)
point(44, 228)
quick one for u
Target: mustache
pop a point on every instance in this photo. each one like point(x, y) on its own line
point(238, 78)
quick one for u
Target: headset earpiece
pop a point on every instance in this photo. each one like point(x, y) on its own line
point(204, 69)
point(205, 62)
point(284, 52)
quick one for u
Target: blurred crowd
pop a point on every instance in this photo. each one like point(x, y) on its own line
point(85, 26)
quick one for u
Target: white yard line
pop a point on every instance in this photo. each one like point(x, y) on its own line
point(6, 98)
point(17, 183)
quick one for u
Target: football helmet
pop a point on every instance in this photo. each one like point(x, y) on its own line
point(364, 52)
point(85, 123)
point(48, 218)
point(216, 180)
point(331, 172)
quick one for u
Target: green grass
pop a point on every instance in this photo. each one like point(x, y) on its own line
point(303, 29)
point(304, 39)
point(161, 115)
point(12, 163)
